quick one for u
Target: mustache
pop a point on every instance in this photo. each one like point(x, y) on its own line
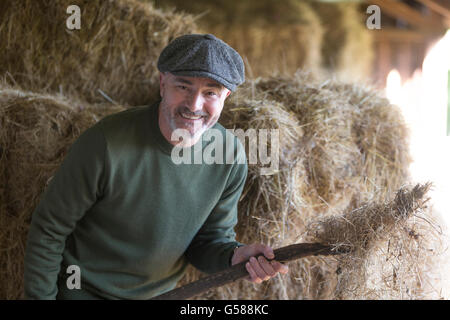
point(189, 112)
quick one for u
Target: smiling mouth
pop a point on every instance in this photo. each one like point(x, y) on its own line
point(190, 116)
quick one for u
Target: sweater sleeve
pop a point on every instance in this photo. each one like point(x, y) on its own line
point(75, 187)
point(212, 248)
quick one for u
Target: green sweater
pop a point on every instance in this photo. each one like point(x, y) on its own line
point(130, 218)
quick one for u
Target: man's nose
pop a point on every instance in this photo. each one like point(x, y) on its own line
point(196, 102)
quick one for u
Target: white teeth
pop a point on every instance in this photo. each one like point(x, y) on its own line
point(191, 117)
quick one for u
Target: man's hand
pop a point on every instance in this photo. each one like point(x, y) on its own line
point(259, 269)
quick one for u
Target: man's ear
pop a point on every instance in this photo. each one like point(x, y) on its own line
point(228, 93)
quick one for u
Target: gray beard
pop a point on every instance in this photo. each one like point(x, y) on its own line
point(189, 138)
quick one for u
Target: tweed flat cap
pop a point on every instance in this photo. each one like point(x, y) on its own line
point(203, 55)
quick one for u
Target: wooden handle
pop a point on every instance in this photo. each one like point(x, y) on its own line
point(238, 271)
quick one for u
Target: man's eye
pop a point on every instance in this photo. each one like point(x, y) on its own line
point(211, 93)
point(182, 87)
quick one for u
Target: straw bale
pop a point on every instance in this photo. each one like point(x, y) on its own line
point(204, 10)
point(332, 160)
point(36, 131)
point(272, 36)
point(382, 136)
point(272, 48)
point(255, 12)
point(348, 45)
point(113, 55)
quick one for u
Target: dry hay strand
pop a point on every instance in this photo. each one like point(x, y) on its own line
point(393, 246)
point(272, 36)
point(112, 57)
point(348, 45)
point(328, 132)
point(36, 131)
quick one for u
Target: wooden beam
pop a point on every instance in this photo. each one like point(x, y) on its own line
point(403, 59)
point(439, 7)
point(400, 10)
point(448, 104)
point(384, 62)
point(398, 35)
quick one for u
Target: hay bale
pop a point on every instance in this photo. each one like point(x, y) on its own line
point(332, 160)
point(273, 36)
point(254, 12)
point(114, 54)
point(382, 135)
point(348, 45)
point(36, 131)
point(283, 36)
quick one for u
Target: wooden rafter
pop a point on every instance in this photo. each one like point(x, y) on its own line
point(439, 7)
point(397, 35)
point(400, 10)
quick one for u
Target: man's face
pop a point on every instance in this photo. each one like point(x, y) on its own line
point(189, 103)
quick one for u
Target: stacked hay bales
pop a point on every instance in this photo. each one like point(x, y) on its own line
point(283, 36)
point(272, 36)
point(348, 45)
point(351, 134)
point(36, 131)
point(113, 55)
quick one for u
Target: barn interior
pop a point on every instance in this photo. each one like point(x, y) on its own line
point(359, 92)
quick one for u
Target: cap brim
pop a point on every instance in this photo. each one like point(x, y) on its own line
point(205, 74)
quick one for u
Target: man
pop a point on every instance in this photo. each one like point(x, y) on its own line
point(128, 217)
